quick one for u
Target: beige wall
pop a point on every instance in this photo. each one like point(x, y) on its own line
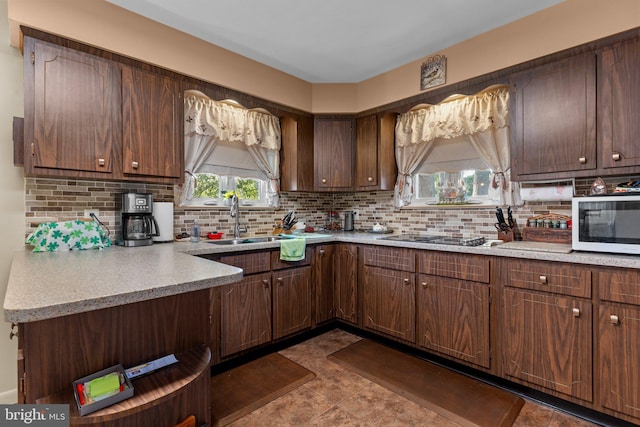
point(99, 23)
point(568, 24)
point(11, 193)
point(102, 24)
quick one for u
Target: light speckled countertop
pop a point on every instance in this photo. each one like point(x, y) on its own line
point(46, 285)
point(590, 258)
point(52, 284)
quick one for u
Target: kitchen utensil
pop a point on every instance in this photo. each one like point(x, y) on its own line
point(289, 220)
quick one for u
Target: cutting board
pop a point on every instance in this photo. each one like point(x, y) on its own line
point(524, 245)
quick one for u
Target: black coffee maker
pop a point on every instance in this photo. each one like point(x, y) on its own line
point(138, 223)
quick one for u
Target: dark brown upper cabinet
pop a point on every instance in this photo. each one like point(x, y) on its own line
point(72, 111)
point(619, 105)
point(296, 154)
point(333, 152)
point(153, 139)
point(553, 118)
point(87, 116)
point(375, 152)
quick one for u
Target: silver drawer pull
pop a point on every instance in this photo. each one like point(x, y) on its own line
point(370, 179)
point(324, 180)
point(582, 160)
point(424, 285)
point(543, 280)
point(406, 281)
point(101, 162)
point(576, 312)
point(134, 165)
point(616, 157)
point(614, 319)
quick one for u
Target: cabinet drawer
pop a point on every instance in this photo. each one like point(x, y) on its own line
point(250, 263)
point(278, 264)
point(456, 266)
point(392, 258)
point(620, 285)
point(561, 278)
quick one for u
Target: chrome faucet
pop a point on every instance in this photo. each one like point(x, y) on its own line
point(235, 213)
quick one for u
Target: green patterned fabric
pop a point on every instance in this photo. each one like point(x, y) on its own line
point(67, 236)
point(292, 249)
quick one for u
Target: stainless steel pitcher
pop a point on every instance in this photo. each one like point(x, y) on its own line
point(348, 221)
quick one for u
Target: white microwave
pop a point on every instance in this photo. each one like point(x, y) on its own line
point(607, 223)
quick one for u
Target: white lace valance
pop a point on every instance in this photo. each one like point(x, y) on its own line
point(455, 116)
point(228, 122)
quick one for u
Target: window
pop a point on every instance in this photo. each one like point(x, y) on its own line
point(212, 190)
point(230, 168)
point(453, 173)
point(450, 188)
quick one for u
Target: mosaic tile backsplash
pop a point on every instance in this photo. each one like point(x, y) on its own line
point(64, 199)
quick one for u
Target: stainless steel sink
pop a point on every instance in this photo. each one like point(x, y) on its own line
point(242, 241)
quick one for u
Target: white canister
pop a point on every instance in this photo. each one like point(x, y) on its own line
point(163, 213)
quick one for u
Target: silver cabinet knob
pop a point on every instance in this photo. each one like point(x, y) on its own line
point(324, 180)
point(576, 312)
point(543, 280)
point(370, 179)
point(616, 157)
point(134, 165)
point(101, 162)
point(614, 319)
point(582, 160)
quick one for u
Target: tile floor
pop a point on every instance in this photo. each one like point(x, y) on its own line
point(338, 397)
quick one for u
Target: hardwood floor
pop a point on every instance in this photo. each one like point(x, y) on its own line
point(338, 397)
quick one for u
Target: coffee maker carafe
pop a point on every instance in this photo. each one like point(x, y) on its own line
point(138, 223)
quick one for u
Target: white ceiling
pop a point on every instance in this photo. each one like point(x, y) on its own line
point(335, 41)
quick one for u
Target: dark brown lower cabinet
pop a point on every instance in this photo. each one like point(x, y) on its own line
point(291, 301)
point(389, 298)
point(346, 282)
point(547, 341)
point(323, 283)
point(619, 351)
point(453, 318)
point(245, 312)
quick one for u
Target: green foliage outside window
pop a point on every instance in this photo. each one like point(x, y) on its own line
point(208, 187)
point(247, 189)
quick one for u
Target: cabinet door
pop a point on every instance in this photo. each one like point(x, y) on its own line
point(619, 349)
point(619, 105)
point(245, 314)
point(554, 117)
point(548, 342)
point(296, 154)
point(323, 283)
point(346, 285)
point(453, 318)
point(291, 301)
point(367, 152)
point(76, 115)
point(375, 152)
point(333, 153)
point(152, 124)
point(388, 303)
